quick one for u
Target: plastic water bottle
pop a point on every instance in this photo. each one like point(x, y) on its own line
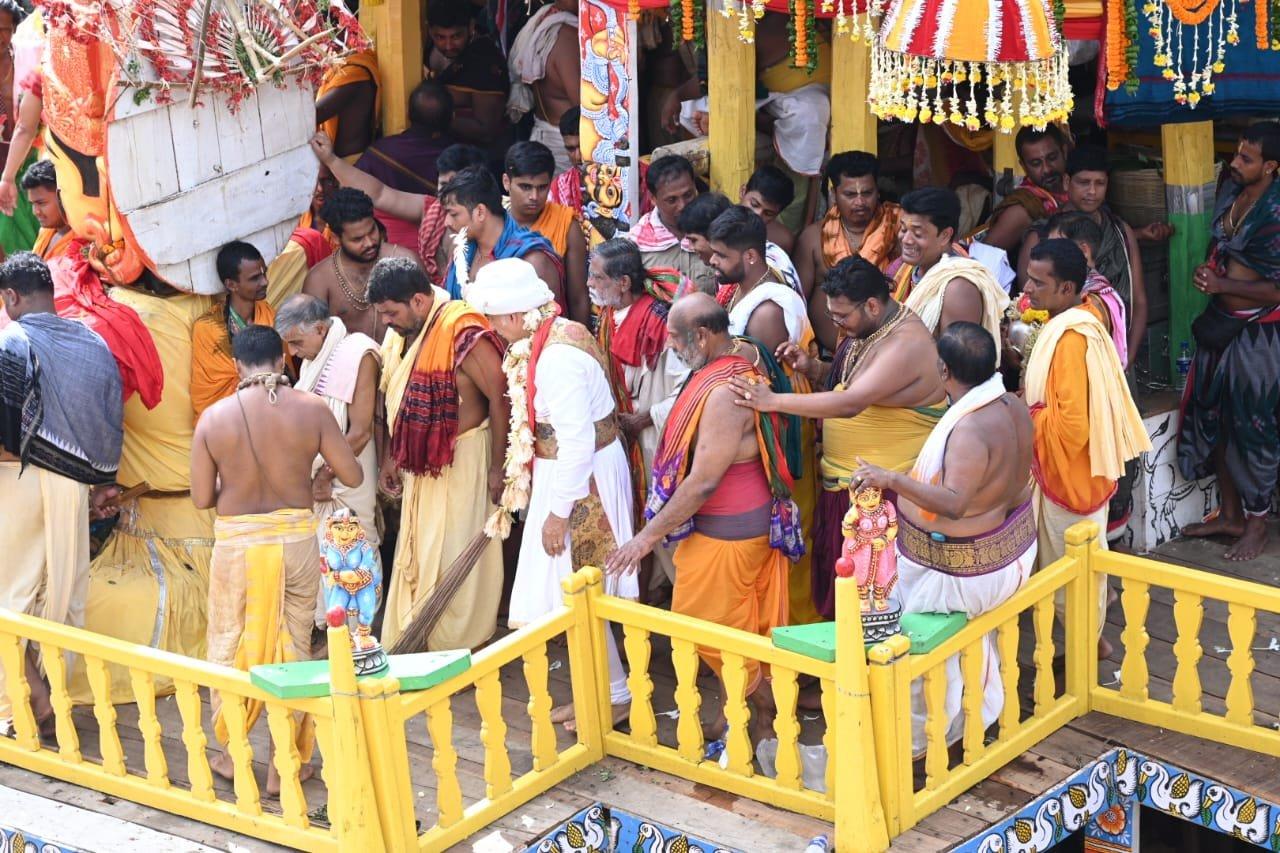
point(1184, 365)
point(818, 845)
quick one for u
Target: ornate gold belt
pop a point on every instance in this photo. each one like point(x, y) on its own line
point(545, 445)
point(969, 556)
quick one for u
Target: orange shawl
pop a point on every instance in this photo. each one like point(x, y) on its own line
point(554, 224)
point(878, 243)
point(47, 249)
point(213, 369)
point(357, 68)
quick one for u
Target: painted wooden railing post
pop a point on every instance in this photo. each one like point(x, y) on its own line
point(853, 127)
point(860, 817)
point(389, 762)
point(890, 708)
point(731, 95)
point(1189, 193)
point(588, 673)
point(1082, 611)
point(352, 809)
point(395, 27)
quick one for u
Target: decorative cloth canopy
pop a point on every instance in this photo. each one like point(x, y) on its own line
point(999, 63)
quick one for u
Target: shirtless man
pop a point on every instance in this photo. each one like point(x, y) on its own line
point(858, 223)
point(970, 489)
point(721, 507)
point(251, 458)
point(882, 399)
point(1229, 426)
point(341, 281)
point(552, 72)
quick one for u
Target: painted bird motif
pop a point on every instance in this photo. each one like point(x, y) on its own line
point(1246, 820)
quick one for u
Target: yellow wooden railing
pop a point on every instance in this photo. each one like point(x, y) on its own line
point(1236, 721)
point(870, 790)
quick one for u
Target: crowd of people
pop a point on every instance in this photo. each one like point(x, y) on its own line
point(688, 404)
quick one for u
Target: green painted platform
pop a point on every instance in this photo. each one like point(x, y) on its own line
point(926, 631)
point(310, 679)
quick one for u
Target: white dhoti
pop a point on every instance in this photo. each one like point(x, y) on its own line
point(924, 588)
point(549, 135)
point(1052, 523)
point(801, 119)
point(45, 539)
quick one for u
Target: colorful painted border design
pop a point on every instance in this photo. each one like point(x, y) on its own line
point(606, 41)
point(601, 829)
point(1102, 799)
point(17, 841)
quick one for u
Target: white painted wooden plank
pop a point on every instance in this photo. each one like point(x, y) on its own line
point(199, 275)
point(143, 166)
point(179, 275)
point(195, 144)
point(239, 134)
point(126, 107)
point(68, 825)
point(288, 115)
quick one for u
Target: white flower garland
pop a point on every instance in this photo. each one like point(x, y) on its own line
point(461, 267)
point(518, 468)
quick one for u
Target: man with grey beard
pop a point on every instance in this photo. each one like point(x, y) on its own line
point(645, 375)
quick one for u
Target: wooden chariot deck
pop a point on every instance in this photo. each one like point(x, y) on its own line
point(738, 822)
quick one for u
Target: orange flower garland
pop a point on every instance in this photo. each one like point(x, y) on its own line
point(1117, 45)
point(802, 35)
point(1261, 27)
point(633, 10)
point(686, 19)
point(1190, 15)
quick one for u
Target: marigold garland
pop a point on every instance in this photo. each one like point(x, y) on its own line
point(1168, 23)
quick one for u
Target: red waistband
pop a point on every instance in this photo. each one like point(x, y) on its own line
point(742, 488)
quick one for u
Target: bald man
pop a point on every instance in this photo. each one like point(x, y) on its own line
point(720, 507)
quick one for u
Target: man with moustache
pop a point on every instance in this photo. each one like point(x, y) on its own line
point(1230, 424)
point(662, 242)
point(1040, 194)
point(447, 416)
point(342, 280)
point(858, 223)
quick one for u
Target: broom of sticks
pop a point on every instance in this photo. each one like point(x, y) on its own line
point(427, 612)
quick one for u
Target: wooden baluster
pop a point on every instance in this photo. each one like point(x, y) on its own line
point(971, 665)
point(188, 696)
point(236, 715)
point(829, 734)
point(1045, 685)
point(1007, 643)
point(1242, 624)
point(105, 712)
point(444, 761)
point(493, 734)
point(936, 761)
point(1134, 600)
point(644, 725)
point(737, 742)
point(284, 736)
point(542, 739)
point(144, 691)
point(55, 667)
point(13, 652)
point(324, 742)
point(1188, 613)
point(785, 692)
point(684, 660)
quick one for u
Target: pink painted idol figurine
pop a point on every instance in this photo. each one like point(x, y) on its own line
point(869, 557)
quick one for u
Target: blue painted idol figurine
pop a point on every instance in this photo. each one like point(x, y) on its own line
point(352, 576)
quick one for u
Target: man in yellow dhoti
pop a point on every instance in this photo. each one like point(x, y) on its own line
point(882, 399)
point(61, 428)
point(447, 414)
point(1086, 425)
point(262, 576)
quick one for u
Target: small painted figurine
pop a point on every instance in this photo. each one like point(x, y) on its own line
point(352, 576)
point(868, 555)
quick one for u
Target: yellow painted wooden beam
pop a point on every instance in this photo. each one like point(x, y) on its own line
point(395, 27)
point(731, 88)
point(853, 127)
point(1005, 155)
point(1188, 153)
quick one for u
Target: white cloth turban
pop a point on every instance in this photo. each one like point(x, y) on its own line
point(508, 286)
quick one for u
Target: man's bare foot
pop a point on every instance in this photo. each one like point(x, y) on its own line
point(621, 712)
point(1251, 542)
point(562, 713)
point(1104, 648)
point(715, 729)
point(1218, 525)
point(221, 764)
point(273, 778)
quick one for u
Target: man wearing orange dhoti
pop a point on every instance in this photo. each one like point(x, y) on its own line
point(526, 179)
point(1086, 425)
point(251, 458)
point(858, 223)
point(213, 370)
point(40, 182)
point(721, 488)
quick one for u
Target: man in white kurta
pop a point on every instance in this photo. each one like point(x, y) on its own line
point(581, 502)
point(343, 369)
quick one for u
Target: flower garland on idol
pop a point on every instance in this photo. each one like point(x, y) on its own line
point(518, 467)
point(1213, 25)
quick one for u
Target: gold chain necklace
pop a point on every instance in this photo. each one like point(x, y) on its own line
point(859, 349)
point(360, 303)
point(737, 291)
